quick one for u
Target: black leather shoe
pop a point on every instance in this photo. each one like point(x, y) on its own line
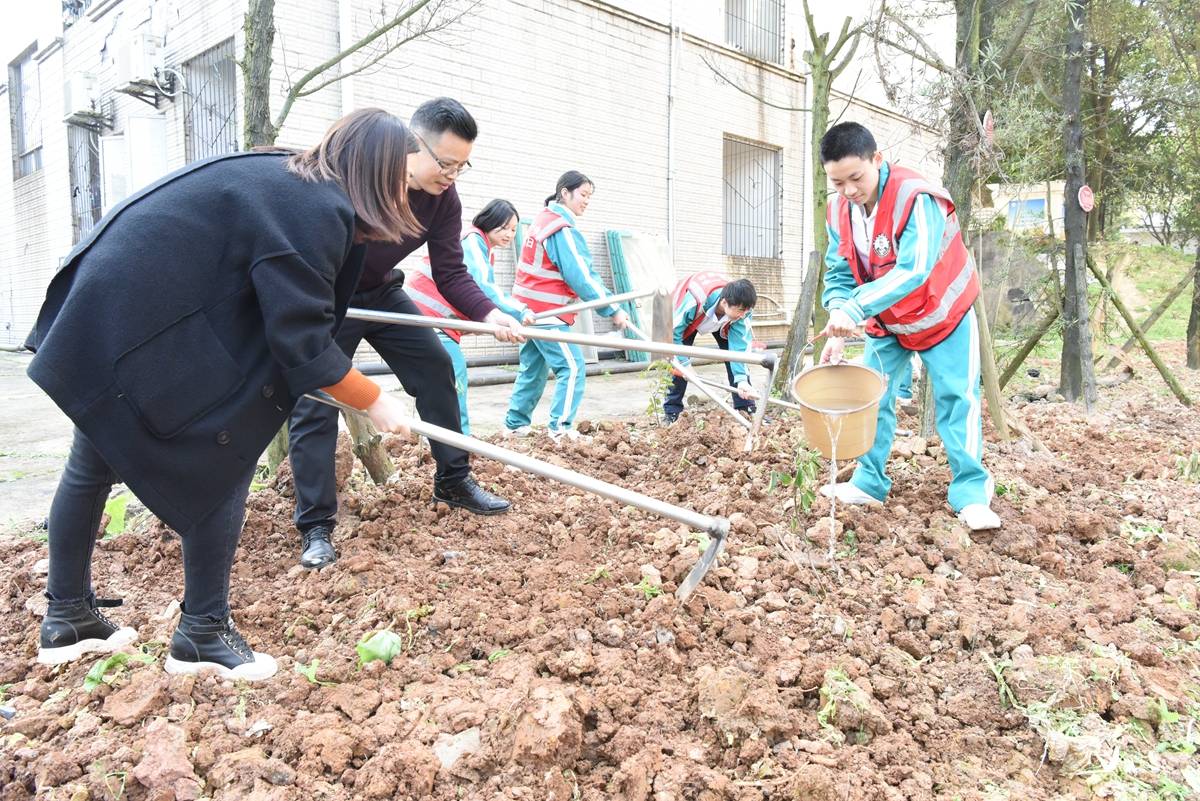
point(202, 644)
point(468, 495)
point(317, 545)
point(70, 630)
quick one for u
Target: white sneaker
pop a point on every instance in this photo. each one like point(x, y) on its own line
point(846, 492)
point(522, 431)
point(979, 517)
point(568, 434)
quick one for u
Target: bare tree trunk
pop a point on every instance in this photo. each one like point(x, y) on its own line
point(987, 363)
point(793, 352)
point(1077, 378)
point(259, 27)
point(1193, 329)
point(1167, 375)
point(368, 447)
point(820, 81)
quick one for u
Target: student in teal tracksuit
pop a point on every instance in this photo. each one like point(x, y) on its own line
point(493, 227)
point(897, 265)
point(555, 269)
point(709, 303)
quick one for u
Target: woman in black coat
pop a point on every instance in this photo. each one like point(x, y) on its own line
point(177, 338)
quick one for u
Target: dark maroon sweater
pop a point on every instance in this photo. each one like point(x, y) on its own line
point(441, 218)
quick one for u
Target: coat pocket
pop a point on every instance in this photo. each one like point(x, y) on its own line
point(178, 375)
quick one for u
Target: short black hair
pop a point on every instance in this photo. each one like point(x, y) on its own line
point(445, 114)
point(570, 181)
point(847, 139)
point(494, 215)
point(740, 293)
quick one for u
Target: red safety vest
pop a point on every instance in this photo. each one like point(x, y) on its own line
point(699, 286)
point(420, 286)
point(539, 283)
point(932, 311)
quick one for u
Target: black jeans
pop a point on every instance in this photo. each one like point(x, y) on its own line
point(208, 548)
point(673, 405)
point(424, 368)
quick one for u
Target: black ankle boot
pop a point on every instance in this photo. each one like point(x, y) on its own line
point(467, 494)
point(317, 547)
point(201, 643)
point(74, 628)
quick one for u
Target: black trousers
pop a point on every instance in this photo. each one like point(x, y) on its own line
point(208, 548)
point(424, 368)
point(673, 404)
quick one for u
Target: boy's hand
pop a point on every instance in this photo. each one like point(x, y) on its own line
point(620, 320)
point(840, 325)
point(527, 318)
point(832, 352)
point(746, 392)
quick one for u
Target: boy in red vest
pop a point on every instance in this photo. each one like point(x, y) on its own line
point(709, 303)
point(897, 265)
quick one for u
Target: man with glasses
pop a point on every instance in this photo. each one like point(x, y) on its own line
point(444, 133)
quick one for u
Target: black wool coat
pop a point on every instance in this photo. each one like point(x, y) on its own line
point(179, 334)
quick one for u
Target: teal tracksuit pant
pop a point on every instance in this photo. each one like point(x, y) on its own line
point(570, 376)
point(953, 367)
point(460, 378)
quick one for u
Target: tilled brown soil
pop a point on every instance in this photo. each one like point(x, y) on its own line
point(903, 659)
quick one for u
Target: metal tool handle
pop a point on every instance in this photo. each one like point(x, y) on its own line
point(766, 360)
point(717, 385)
point(717, 526)
point(584, 305)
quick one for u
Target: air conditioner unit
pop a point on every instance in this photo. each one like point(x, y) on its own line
point(79, 94)
point(137, 58)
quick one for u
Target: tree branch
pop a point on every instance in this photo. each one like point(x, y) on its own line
point(298, 88)
point(746, 91)
point(1018, 35)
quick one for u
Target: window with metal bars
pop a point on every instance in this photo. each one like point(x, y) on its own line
point(210, 103)
point(753, 200)
point(755, 27)
point(83, 158)
point(25, 114)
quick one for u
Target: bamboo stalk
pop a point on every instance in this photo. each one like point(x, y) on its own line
point(1163, 370)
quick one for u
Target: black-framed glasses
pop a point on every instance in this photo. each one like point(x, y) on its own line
point(448, 170)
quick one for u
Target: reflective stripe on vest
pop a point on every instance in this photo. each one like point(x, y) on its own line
point(539, 283)
point(421, 288)
point(699, 286)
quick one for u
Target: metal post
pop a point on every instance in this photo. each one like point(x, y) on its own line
point(584, 305)
point(666, 349)
point(762, 407)
point(717, 526)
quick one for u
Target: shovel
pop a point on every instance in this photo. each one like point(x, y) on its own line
point(716, 527)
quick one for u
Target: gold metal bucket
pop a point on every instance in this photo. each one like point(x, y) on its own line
point(842, 401)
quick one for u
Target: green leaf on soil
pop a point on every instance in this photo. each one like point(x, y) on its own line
point(382, 645)
point(115, 509)
point(309, 672)
point(107, 670)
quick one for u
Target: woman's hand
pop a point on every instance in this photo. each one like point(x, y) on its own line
point(620, 320)
point(389, 414)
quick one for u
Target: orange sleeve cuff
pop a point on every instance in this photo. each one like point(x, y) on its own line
point(355, 389)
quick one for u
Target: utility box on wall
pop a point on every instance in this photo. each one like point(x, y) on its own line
point(137, 58)
point(133, 159)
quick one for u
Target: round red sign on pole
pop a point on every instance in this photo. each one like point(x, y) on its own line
point(1087, 200)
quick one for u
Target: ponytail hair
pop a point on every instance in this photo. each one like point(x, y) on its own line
point(570, 181)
